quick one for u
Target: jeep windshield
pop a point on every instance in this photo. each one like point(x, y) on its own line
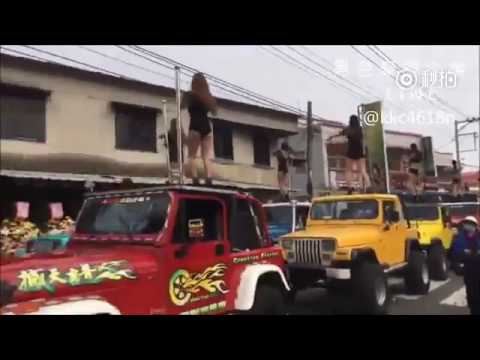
point(279, 215)
point(422, 213)
point(345, 210)
point(124, 215)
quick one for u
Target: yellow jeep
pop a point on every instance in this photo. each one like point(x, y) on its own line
point(436, 235)
point(354, 242)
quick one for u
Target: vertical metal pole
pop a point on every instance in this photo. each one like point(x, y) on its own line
point(478, 178)
point(457, 147)
point(309, 149)
point(179, 126)
point(165, 132)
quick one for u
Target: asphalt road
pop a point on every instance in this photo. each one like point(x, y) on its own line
point(444, 298)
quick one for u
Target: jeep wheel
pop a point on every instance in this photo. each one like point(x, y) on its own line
point(437, 262)
point(269, 300)
point(417, 277)
point(370, 288)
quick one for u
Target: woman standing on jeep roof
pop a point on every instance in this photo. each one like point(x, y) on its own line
point(199, 102)
point(283, 155)
point(456, 179)
point(355, 156)
point(414, 169)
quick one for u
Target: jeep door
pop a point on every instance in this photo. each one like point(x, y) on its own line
point(394, 234)
point(199, 256)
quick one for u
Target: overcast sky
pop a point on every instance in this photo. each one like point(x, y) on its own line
point(449, 72)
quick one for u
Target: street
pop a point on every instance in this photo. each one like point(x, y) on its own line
point(445, 298)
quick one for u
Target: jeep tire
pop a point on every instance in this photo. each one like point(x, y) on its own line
point(437, 262)
point(417, 277)
point(269, 300)
point(370, 288)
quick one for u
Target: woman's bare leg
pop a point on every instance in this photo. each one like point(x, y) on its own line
point(207, 152)
point(193, 144)
point(412, 183)
point(348, 172)
point(364, 172)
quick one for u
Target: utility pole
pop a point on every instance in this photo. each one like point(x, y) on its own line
point(309, 149)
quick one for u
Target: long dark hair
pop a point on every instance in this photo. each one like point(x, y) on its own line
point(201, 89)
point(354, 129)
point(354, 122)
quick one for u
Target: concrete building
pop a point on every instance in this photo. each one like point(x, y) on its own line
point(63, 127)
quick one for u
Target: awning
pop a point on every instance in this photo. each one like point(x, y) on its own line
point(79, 177)
point(118, 179)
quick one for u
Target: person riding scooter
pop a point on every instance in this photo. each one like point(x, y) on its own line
point(466, 251)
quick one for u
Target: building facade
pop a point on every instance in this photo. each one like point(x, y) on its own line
point(64, 128)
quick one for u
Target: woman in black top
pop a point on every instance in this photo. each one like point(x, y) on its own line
point(355, 156)
point(282, 172)
point(199, 102)
point(414, 169)
point(456, 179)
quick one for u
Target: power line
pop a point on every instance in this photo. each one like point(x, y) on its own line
point(136, 65)
point(30, 56)
point(313, 53)
point(381, 54)
point(78, 62)
point(146, 57)
point(221, 81)
point(376, 50)
point(330, 71)
point(313, 71)
point(373, 62)
point(344, 79)
point(126, 62)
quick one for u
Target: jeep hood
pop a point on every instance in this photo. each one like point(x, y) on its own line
point(347, 235)
point(80, 270)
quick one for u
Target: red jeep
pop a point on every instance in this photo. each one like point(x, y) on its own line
point(165, 250)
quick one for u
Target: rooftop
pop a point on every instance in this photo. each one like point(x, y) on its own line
point(72, 71)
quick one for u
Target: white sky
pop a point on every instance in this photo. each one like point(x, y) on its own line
point(254, 68)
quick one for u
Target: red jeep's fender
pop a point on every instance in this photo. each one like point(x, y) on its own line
point(247, 279)
point(73, 305)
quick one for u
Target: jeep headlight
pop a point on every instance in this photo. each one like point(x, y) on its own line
point(328, 245)
point(287, 244)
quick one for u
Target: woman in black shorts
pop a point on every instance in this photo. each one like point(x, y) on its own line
point(456, 179)
point(282, 172)
point(355, 156)
point(414, 169)
point(200, 102)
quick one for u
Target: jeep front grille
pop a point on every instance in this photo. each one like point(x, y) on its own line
point(308, 251)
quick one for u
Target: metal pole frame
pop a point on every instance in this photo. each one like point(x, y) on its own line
point(179, 126)
point(165, 124)
point(309, 149)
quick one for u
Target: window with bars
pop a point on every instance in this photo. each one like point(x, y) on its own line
point(222, 139)
point(135, 128)
point(22, 113)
